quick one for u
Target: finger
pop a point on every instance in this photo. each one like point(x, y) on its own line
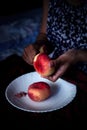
point(27, 59)
point(58, 74)
point(26, 52)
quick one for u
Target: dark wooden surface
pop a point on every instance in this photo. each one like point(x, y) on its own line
point(74, 115)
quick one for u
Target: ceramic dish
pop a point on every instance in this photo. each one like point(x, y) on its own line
point(62, 94)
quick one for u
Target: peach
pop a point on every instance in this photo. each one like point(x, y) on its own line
point(39, 91)
point(42, 64)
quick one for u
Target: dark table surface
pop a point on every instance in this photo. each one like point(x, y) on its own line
point(71, 116)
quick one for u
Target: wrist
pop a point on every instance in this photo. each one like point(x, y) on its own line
point(41, 37)
point(44, 43)
point(82, 55)
point(41, 41)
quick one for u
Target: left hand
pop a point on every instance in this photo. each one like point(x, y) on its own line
point(62, 63)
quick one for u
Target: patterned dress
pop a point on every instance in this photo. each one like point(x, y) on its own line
point(67, 28)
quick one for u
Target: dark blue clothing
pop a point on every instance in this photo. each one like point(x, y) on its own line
point(67, 28)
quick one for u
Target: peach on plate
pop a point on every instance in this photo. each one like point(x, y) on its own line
point(39, 91)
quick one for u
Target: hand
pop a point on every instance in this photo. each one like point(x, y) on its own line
point(41, 44)
point(62, 63)
point(32, 49)
point(29, 52)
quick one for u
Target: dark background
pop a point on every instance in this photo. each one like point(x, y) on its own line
point(15, 6)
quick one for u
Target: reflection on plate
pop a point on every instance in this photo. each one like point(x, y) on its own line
point(62, 94)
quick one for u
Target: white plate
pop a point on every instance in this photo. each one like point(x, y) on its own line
point(63, 93)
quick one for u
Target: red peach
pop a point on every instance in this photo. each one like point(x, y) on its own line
point(42, 64)
point(39, 91)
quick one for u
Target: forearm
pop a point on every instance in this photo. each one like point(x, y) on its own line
point(42, 38)
point(42, 33)
point(44, 16)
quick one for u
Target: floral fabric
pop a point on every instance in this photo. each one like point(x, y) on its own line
point(67, 27)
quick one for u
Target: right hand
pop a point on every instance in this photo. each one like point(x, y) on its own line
point(29, 52)
point(41, 44)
